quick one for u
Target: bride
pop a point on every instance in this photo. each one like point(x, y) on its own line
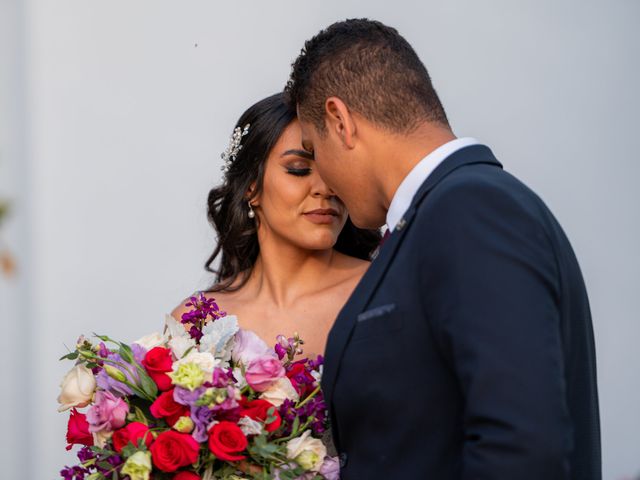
point(289, 257)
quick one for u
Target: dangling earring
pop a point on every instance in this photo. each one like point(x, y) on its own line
point(252, 214)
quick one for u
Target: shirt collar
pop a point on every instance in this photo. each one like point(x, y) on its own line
point(411, 184)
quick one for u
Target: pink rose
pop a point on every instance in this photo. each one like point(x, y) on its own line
point(248, 347)
point(264, 372)
point(108, 412)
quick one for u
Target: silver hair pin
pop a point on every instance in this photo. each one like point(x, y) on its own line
point(230, 154)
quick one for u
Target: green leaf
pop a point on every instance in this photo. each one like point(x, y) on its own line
point(296, 424)
point(126, 353)
point(147, 384)
point(105, 465)
point(70, 356)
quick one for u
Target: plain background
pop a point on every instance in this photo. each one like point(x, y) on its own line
point(113, 115)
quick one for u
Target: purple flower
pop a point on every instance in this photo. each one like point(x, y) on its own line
point(280, 351)
point(203, 308)
point(114, 461)
point(330, 468)
point(106, 382)
point(314, 409)
point(196, 333)
point(317, 363)
point(186, 397)
point(229, 403)
point(103, 351)
point(73, 473)
point(223, 378)
point(85, 454)
point(202, 418)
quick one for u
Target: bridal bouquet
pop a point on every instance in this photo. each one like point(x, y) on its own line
point(203, 400)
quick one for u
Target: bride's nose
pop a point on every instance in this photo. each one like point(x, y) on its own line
point(321, 189)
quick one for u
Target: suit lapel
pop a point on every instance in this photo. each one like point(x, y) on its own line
point(341, 331)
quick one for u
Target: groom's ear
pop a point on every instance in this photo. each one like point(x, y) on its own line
point(339, 120)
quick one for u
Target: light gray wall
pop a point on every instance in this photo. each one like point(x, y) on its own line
point(129, 104)
point(14, 307)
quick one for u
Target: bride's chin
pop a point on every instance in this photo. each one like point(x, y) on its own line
point(325, 242)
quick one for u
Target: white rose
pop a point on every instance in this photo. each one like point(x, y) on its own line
point(280, 391)
point(151, 341)
point(203, 360)
point(307, 451)
point(77, 388)
point(100, 438)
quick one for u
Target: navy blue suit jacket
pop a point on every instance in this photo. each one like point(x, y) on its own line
point(467, 351)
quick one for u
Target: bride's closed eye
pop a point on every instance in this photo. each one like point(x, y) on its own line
point(299, 172)
point(299, 167)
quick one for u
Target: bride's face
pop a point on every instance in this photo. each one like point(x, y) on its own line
point(295, 204)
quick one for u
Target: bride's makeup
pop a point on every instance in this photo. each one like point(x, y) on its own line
point(299, 163)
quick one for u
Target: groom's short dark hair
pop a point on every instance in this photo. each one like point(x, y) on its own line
point(372, 68)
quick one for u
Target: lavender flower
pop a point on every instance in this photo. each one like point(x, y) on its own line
point(184, 396)
point(202, 418)
point(330, 468)
point(106, 382)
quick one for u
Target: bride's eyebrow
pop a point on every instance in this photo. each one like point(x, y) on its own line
point(299, 153)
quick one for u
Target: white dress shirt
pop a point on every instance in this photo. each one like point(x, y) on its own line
point(416, 177)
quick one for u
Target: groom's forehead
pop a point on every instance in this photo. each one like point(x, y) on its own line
point(305, 129)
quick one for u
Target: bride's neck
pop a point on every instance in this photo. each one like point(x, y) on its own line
point(284, 272)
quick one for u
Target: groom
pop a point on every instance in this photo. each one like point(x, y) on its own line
point(467, 350)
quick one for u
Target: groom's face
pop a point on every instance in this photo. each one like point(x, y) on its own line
point(345, 169)
point(330, 162)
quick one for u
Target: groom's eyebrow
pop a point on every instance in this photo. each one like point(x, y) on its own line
point(299, 153)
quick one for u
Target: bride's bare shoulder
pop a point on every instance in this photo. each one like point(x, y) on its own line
point(352, 268)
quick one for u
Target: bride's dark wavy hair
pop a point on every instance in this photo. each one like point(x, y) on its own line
point(228, 203)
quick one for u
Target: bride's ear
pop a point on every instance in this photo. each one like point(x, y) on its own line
point(339, 119)
point(250, 195)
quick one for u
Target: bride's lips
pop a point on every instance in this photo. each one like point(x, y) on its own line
point(322, 216)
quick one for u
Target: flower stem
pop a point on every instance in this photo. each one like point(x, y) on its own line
point(311, 395)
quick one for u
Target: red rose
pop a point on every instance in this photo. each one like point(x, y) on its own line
point(132, 433)
point(78, 430)
point(226, 441)
point(157, 362)
point(172, 450)
point(166, 407)
point(186, 476)
point(257, 410)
